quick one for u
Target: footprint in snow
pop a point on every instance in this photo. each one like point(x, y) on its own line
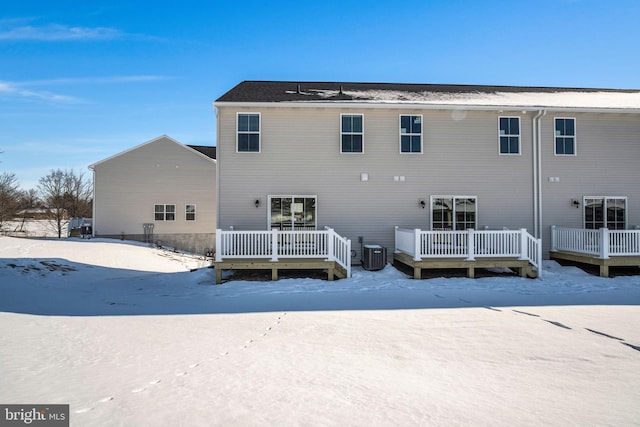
point(106, 399)
point(83, 410)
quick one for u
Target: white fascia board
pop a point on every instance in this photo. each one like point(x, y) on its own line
point(423, 106)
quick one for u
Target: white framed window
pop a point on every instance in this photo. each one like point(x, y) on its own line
point(190, 212)
point(509, 135)
point(453, 212)
point(605, 212)
point(351, 133)
point(411, 133)
point(164, 212)
point(565, 136)
point(248, 133)
point(291, 212)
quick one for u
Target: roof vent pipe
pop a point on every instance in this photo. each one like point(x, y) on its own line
point(298, 89)
point(341, 90)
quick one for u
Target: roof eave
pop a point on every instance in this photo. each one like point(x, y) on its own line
point(425, 106)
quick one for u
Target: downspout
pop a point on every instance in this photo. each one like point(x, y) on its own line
point(537, 173)
point(217, 225)
point(93, 207)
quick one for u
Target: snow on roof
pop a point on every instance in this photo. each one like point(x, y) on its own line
point(434, 95)
point(558, 99)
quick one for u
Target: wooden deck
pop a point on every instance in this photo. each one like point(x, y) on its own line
point(603, 263)
point(334, 270)
point(523, 267)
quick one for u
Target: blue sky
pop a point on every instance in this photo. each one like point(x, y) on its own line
point(81, 81)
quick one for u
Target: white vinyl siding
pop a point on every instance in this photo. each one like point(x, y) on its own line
point(509, 135)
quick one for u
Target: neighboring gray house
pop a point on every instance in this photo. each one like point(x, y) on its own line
point(161, 191)
point(363, 158)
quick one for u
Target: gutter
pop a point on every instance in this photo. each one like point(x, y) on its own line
point(425, 106)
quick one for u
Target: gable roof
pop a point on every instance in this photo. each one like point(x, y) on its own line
point(431, 94)
point(209, 151)
point(162, 137)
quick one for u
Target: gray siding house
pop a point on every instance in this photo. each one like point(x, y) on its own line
point(364, 158)
point(160, 192)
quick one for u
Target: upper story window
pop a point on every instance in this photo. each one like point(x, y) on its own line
point(248, 133)
point(509, 135)
point(190, 212)
point(165, 212)
point(411, 134)
point(565, 136)
point(351, 133)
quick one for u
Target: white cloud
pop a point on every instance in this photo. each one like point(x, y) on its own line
point(96, 80)
point(25, 89)
point(16, 90)
point(57, 32)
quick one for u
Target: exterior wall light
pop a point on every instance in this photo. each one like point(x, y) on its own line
point(257, 203)
point(423, 204)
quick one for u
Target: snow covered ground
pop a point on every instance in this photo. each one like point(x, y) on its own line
point(131, 335)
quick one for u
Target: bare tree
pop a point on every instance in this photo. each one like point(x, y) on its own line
point(28, 200)
point(52, 189)
point(65, 195)
point(9, 197)
point(79, 192)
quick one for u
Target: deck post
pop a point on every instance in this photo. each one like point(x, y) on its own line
point(274, 245)
point(470, 244)
point(417, 256)
point(218, 245)
point(554, 239)
point(604, 243)
point(523, 244)
point(395, 239)
point(330, 244)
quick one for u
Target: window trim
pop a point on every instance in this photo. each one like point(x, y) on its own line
point(259, 132)
point(453, 197)
point(604, 216)
point(186, 212)
point(351, 133)
point(574, 136)
point(518, 135)
point(164, 211)
point(400, 134)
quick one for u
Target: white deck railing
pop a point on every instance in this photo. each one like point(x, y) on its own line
point(469, 244)
point(603, 243)
point(276, 244)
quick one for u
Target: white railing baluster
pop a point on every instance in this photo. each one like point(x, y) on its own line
point(276, 243)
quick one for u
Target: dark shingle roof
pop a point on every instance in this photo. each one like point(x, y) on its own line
point(283, 91)
point(205, 149)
